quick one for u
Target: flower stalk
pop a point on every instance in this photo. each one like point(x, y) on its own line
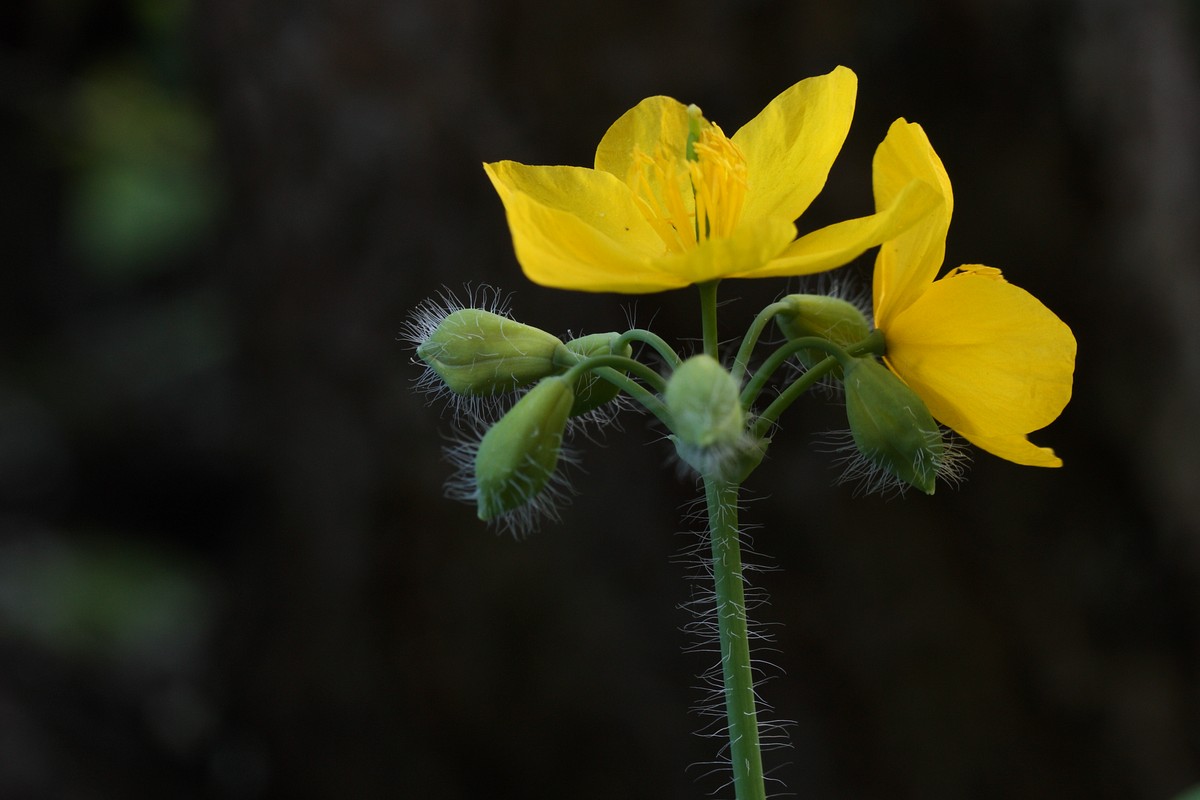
point(745, 750)
point(708, 316)
point(721, 497)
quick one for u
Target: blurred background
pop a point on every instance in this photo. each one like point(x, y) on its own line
point(227, 568)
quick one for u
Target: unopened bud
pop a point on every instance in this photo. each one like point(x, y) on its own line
point(891, 425)
point(518, 455)
point(704, 404)
point(477, 352)
point(591, 391)
point(708, 422)
point(830, 318)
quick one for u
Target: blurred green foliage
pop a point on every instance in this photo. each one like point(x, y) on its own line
point(104, 600)
point(145, 189)
point(142, 188)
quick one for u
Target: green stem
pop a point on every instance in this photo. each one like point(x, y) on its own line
point(751, 338)
point(776, 360)
point(708, 315)
point(744, 749)
point(612, 368)
point(654, 340)
point(620, 363)
point(638, 392)
point(789, 395)
point(873, 344)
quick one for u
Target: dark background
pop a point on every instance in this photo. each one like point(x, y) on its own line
point(226, 565)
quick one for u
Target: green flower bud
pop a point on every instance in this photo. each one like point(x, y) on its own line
point(708, 422)
point(829, 318)
point(891, 426)
point(591, 391)
point(704, 403)
point(518, 455)
point(477, 352)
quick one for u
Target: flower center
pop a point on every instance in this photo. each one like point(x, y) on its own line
point(697, 196)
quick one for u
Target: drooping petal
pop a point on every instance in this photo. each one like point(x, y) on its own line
point(986, 356)
point(1016, 448)
point(576, 228)
point(752, 245)
point(842, 242)
point(907, 264)
point(792, 143)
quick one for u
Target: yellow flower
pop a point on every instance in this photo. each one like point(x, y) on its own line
point(989, 360)
point(673, 201)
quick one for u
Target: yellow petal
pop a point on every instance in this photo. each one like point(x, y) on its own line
point(655, 126)
point(752, 245)
point(842, 242)
point(907, 264)
point(576, 228)
point(1016, 448)
point(792, 143)
point(986, 356)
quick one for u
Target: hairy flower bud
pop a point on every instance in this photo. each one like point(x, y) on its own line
point(591, 391)
point(477, 352)
point(707, 420)
point(703, 400)
point(891, 426)
point(518, 455)
point(831, 318)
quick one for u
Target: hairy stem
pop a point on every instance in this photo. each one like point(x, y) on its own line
point(744, 749)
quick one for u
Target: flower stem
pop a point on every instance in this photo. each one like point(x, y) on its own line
point(635, 390)
point(779, 357)
point(708, 318)
point(751, 338)
point(873, 344)
point(788, 396)
point(745, 751)
point(655, 341)
point(617, 362)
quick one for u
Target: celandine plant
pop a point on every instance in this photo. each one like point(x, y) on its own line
point(672, 201)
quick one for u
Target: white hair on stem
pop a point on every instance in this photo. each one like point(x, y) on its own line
point(703, 632)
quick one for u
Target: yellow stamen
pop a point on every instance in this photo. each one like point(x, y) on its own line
point(656, 184)
point(687, 201)
point(719, 182)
